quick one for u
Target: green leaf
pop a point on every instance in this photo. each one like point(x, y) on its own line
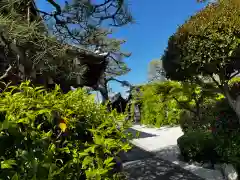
point(15, 177)
point(5, 124)
point(47, 135)
point(7, 164)
point(108, 160)
point(83, 154)
point(66, 150)
point(44, 111)
point(137, 134)
point(126, 147)
point(111, 164)
point(34, 177)
point(92, 148)
point(87, 161)
point(52, 147)
point(39, 126)
point(98, 140)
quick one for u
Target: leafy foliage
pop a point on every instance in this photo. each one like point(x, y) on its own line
point(198, 146)
point(228, 148)
point(224, 128)
point(206, 44)
point(85, 24)
point(50, 135)
point(201, 114)
point(157, 108)
point(171, 102)
point(76, 50)
point(206, 48)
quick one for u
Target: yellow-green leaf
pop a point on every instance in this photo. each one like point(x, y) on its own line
point(108, 160)
point(7, 164)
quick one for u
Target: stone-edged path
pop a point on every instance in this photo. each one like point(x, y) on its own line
point(155, 156)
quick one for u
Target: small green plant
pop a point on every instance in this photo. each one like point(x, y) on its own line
point(51, 135)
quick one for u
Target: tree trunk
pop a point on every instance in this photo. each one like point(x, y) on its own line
point(102, 88)
point(104, 94)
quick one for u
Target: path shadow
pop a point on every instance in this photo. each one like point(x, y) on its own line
point(141, 134)
point(134, 154)
point(150, 167)
point(162, 164)
point(172, 154)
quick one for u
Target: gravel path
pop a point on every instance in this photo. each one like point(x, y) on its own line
point(155, 156)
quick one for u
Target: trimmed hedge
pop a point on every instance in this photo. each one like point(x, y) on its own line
point(51, 135)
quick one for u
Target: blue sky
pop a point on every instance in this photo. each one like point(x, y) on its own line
point(155, 20)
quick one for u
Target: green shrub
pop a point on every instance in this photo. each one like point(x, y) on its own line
point(171, 102)
point(188, 121)
point(226, 129)
point(157, 109)
point(208, 113)
point(225, 120)
point(198, 146)
point(50, 135)
point(228, 148)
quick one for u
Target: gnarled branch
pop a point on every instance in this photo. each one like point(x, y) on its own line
point(6, 73)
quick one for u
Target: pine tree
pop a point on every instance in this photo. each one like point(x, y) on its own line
point(66, 53)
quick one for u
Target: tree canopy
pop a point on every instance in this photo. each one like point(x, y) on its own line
point(74, 44)
point(81, 23)
point(207, 45)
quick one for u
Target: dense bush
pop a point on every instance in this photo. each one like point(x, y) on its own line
point(228, 148)
point(50, 135)
point(221, 121)
point(193, 107)
point(213, 108)
point(171, 102)
point(198, 146)
point(223, 118)
point(206, 109)
point(224, 138)
point(157, 108)
point(189, 122)
point(214, 146)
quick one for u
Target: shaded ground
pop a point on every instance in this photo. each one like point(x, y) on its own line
point(155, 168)
point(143, 165)
point(135, 133)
